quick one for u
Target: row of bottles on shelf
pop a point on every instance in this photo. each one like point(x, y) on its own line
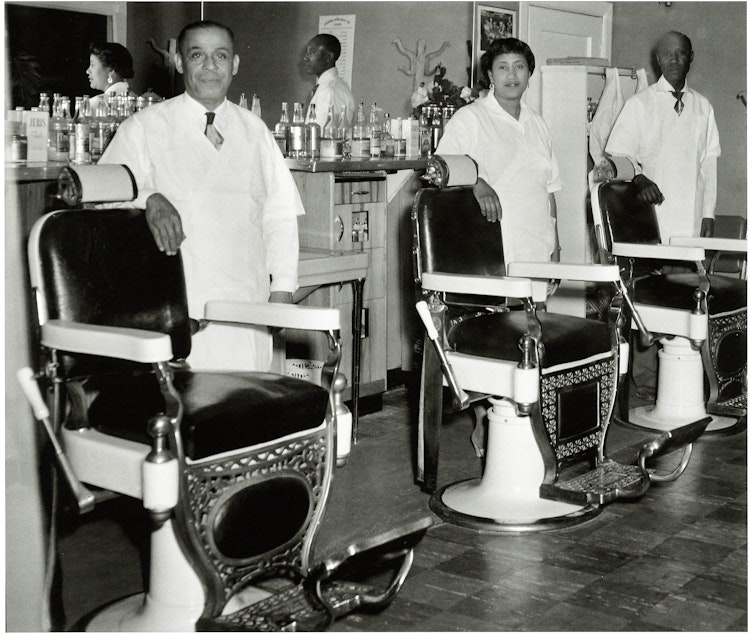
point(76, 135)
point(366, 138)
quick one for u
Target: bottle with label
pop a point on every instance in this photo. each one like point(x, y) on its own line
point(312, 136)
point(102, 129)
point(374, 132)
point(281, 131)
point(297, 133)
point(387, 142)
point(360, 140)
point(255, 105)
point(59, 130)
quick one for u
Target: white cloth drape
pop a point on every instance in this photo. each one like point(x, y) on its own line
point(610, 104)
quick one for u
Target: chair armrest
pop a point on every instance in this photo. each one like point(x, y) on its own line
point(277, 315)
point(565, 271)
point(711, 244)
point(477, 285)
point(658, 251)
point(143, 346)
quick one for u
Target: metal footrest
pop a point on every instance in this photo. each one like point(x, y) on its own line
point(607, 482)
point(290, 610)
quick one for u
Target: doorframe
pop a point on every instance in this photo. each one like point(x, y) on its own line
point(116, 13)
point(597, 9)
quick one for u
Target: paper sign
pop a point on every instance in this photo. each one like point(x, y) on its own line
point(342, 26)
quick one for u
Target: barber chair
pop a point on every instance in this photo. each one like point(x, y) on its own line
point(234, 468)
point(551, 379)
point(728, 263)
point(699, 318)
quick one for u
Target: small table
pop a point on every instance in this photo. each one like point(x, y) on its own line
point(321, 267)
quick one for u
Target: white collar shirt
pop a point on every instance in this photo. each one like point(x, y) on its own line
point(331, 90)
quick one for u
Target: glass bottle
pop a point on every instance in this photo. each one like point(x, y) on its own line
point(331, 147)
point(312, 136)
point(436, 129)
point(425, 134)
point(387, 142)
point(297, 133)
point(102, 130)
point(374, 132)
point(360, 140)
point(82, 124)
point(281, 130)
point(243, 101)
point(343, 133)
point(59, 131)
point(43, 102)
point(255, 105)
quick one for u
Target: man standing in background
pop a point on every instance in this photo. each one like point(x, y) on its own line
point(670, 134)
point(319, 59)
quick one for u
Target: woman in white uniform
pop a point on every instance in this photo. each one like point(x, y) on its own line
point(518, 172)
point(110, 65)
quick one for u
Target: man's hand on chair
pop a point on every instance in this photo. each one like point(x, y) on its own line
point(165, 223)
point(648, 190)
point(489, 203)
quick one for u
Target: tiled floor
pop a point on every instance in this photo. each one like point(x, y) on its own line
point(674, 560)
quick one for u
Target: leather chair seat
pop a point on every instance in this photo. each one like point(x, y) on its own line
point(565, 338)
point(223, 411)
point(675, 290)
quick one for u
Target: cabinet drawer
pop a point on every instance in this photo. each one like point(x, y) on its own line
point(357, 191)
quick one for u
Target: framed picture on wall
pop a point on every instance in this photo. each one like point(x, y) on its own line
point(490, 23)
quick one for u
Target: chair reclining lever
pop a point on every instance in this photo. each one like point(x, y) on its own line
point(460, 398)
point(84, 498)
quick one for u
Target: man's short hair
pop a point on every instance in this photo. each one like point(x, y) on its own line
point(202, 24)
point(330, 43)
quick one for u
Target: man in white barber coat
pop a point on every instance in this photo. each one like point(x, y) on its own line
point(670, 133)
point(222, 195)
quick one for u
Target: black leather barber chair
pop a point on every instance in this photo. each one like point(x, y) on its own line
point(551, 379)
point(699, 319)
point(234, 467)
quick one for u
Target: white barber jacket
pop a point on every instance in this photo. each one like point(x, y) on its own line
point(678, 153)
point(331, 90)
point(515, 158)
point(238, 206)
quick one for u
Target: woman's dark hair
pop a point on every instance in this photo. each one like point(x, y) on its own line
point(502, 46)
point(115, 56)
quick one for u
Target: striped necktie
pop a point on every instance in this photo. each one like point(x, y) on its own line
point(211, 132)
point(678, 105)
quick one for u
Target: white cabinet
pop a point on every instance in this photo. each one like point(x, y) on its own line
point(566, 91)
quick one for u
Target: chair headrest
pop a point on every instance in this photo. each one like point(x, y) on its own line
point(451, 170)
point(96, 184)
point(614, 168)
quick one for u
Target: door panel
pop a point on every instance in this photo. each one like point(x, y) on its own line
point(564, 29)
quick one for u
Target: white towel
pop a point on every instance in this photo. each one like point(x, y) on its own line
point(641, 80)
point(610, 104)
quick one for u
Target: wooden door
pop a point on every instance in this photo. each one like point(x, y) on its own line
point(563, 29)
